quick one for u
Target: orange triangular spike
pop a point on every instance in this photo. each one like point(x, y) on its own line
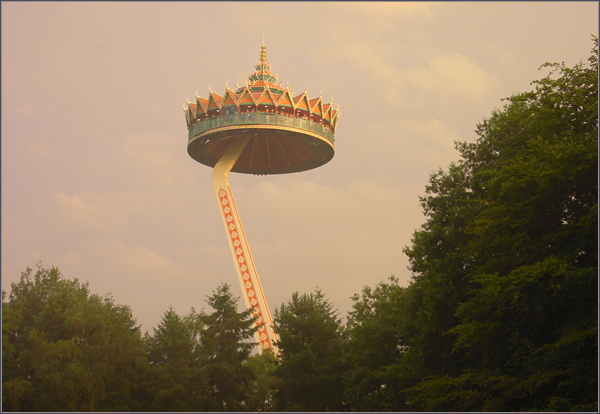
point(316, 107)
point(286, 99)
point(327, 112)
point(246, 97)
point(267, 98)
point(192, 110)
point(214, 101)
point(302, 102)
point(201, 104)
point(229, 98)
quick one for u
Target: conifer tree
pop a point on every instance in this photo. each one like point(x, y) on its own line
point(226, 340)
point(178, 380)
point(311, 368)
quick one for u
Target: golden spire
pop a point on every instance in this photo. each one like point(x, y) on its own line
point(263, 54)
point(263, 51)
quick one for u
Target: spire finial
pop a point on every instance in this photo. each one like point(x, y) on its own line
point(263, 51)
point(263, 54)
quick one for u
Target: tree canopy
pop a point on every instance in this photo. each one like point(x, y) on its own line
point(506, 262)
point(65, 349)
point(310, 365)
point(227, 343)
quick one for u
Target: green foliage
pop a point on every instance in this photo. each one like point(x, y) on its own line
point(310, 366)
point(226, 345)
point(67, 350)
point(377, 339)
point(259, 392)
point(64, 349)
point(177, 381)
point(440, 261)
point(475, 390)
point(506, 264)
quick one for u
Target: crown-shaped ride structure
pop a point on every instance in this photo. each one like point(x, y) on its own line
point(287, 133)
point(260, 128)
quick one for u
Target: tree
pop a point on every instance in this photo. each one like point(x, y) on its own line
point(259, 392)
point(441, 261)
point(506, 264)
point(178, 380)
point(310, 366)
point(378, 343)
point(226, 345)
point(67, 350)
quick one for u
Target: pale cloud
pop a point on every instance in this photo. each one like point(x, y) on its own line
point(39, 148)
point(28, 109)
point(131, 273)
point(383, 16)
point(504, 56)
point(336, 20)
point(437, 76)
point(415, 145)
point(125, 213)
point(295, 207)
point(157, 108)
point(403, 67)
point(140, 264)
point(429, 134)
point(452, 77)
point(375, 66)
point(122, 264)
point(150, 155)
point(82, 213)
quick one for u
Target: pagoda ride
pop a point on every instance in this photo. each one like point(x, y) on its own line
point(260, 129)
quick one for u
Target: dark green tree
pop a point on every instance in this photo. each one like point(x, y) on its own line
point(504, 295)
point(310, 368)
point(378, 348)
point(65, 349)
point(226, 341)
point(259, 393)
point(178, 380)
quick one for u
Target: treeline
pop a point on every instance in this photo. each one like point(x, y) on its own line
point(501, 313)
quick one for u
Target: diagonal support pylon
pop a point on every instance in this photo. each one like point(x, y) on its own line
point(246, 271)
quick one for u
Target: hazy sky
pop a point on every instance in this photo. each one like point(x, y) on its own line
point(96, 179)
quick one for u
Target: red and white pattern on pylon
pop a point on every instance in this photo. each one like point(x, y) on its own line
point(242, 262)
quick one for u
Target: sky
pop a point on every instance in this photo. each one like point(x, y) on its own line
point(96, 179)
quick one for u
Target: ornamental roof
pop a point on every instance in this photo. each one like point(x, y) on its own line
point(262, 88)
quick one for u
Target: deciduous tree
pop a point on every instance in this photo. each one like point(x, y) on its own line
point(377, 344)
point(68, 350)
point(505, 267)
